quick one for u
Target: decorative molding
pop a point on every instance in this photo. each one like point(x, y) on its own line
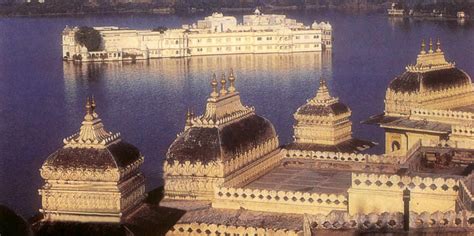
point(88, 174)
point(191, 187)
point(211, 169)
point(243, 159)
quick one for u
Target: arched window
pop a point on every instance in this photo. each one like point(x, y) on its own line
point(395, 146)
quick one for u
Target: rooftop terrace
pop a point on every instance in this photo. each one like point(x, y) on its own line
point(288, 178)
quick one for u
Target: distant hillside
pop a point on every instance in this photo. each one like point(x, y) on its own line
point(20, 7)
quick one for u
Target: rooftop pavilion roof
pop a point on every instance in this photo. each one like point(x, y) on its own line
point(468, 108)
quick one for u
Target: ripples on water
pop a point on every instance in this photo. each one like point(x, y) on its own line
point(42, 98)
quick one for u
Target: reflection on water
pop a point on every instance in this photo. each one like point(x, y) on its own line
point(183, 82)
point(179, 68)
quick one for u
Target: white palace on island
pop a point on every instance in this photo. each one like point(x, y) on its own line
point(214, 35)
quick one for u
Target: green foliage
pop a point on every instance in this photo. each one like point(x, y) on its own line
point(161, 29)
point(88, 37)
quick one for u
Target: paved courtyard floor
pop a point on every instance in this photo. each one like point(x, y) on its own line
point(304, 180)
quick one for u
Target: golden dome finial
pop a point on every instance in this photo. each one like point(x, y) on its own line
point(431, 46)
point(322, 82)
point(223, 82)
point(214, 93)
point(423, 46)
point(93, 106)
point(231, 81)
point(89, 110)
point(189, 117)
point(93, 103)
point(438, 45)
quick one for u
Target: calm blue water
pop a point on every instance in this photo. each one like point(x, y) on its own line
point(42, 98)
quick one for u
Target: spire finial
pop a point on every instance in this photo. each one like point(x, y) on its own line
point(431, 46)
point(93, 106)
point(438, 45)
point(189, 117)
point(88, 106)
point(223, 82)
point(322, 82)
point(322, 95)
point(89, 110)
point(231, 81)
point(423, 45)
point(214, 93)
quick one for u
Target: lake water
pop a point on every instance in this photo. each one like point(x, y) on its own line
point(42, 98)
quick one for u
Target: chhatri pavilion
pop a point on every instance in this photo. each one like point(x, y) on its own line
point(227, 174)
point(94, 177)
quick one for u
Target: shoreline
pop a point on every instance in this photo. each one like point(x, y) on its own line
point(230, 10)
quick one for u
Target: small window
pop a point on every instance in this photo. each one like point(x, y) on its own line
point(259, 39)
point(395, 146)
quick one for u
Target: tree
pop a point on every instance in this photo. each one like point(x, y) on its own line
point(88, 37)
point(161, 29)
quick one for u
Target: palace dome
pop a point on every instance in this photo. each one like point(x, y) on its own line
point(323, 104)
point(226, 129)
point(206, 144)
point(118, 155)
point(413, 82)
point(431, 73)
point(93, 148)
point(336, 108)
point(431, 83)
point(228, 138)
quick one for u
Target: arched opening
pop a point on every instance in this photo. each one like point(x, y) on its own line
point(395, 146)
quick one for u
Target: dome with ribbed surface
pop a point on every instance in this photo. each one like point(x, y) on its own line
point(413, 82)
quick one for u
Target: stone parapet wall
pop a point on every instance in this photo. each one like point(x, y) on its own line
point(445, 116)
point(413, 183)
point(278, 201)
point(388, 221)
point(214, 229)
point(426, 194)
point(464, 130)
point(342, 157)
